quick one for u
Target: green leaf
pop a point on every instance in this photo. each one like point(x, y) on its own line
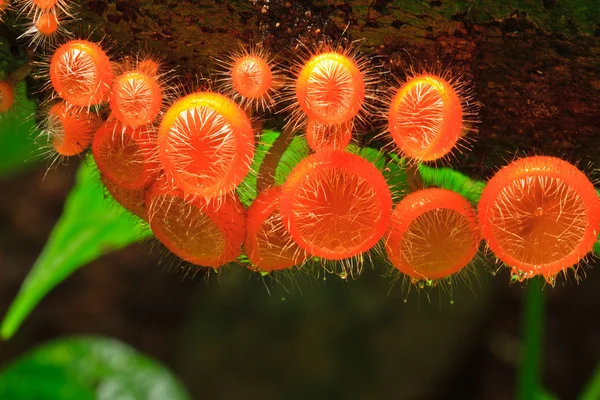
point(452, 180)
point(90, 226)
point(17, 126)
point(374, 156)
point(296, 151)
point(247, 190)
point(88, 368)
point(394, 173)
point(591, 389)
point(543, 394)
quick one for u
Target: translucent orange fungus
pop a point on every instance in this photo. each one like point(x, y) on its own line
point(34, 8)
point(47, 24)
point(328, 137)
point(539, 215)
point(125, 155)
point(330, 88)
point(45, 4)
point(204, 233)
point(131, 199)
point(81, 73)
point(70, 128)
point(206, 144)
point(426, 118)
point(136, 98)
point(268, 244)
point(4, 4)
point(149, 67)
point(335, 205)
point(251, 76)
point(7, 96)
point(45, 29)
point(433, 233)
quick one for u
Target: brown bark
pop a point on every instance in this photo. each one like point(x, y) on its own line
point(540, 88)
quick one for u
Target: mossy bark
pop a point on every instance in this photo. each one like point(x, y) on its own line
point(534, 66)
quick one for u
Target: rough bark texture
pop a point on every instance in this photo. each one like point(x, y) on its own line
point(535, 70)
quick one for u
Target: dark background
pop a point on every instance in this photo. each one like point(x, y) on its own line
point(538, 79)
